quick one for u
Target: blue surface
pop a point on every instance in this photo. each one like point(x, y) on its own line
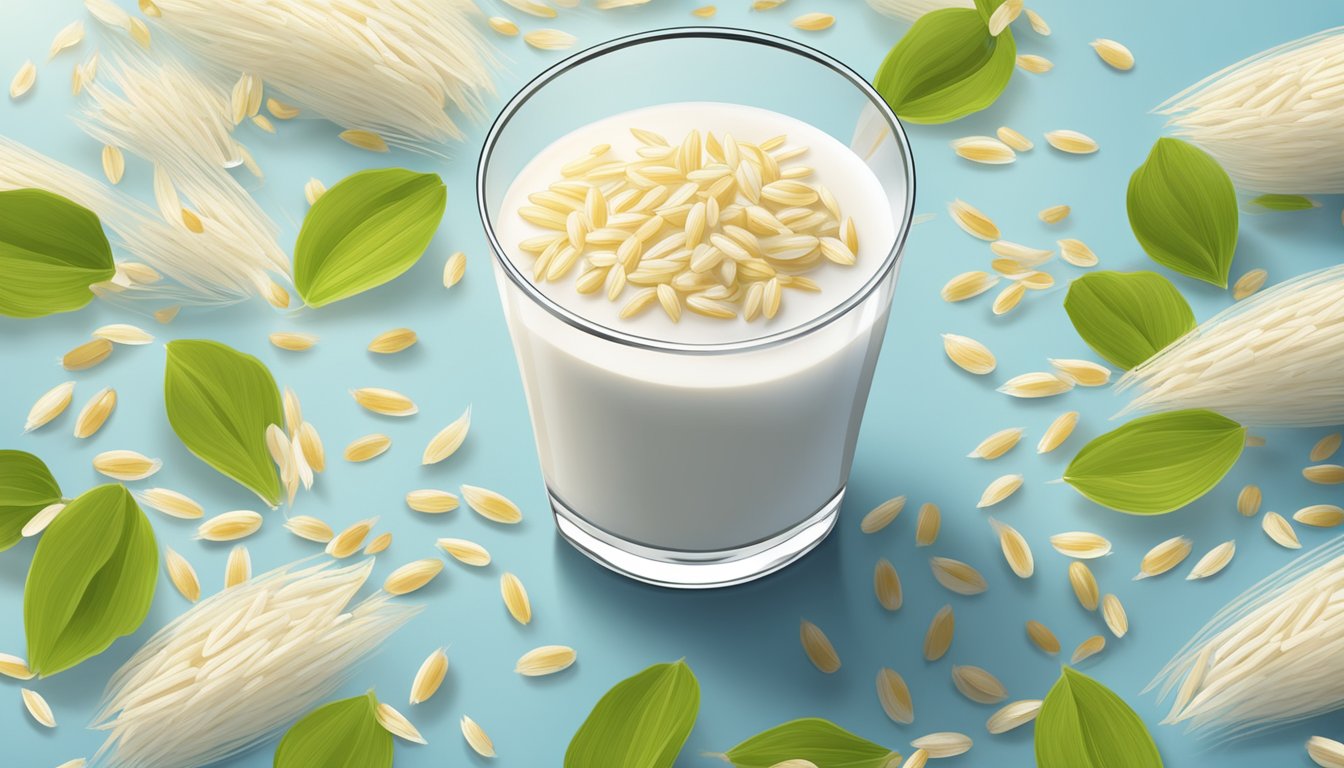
point(923, 417)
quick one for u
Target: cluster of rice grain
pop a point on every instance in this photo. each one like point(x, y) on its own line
point(392, 69)
point(178, 120)
point(709, 225)
point(910, 10)
point(1269, 360)
point(1269, 657)
point(175, 264)
point(241, 665)
point(1270, 120)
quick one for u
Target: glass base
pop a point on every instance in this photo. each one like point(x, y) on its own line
point(695, 570)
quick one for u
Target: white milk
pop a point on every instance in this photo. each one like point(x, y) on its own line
point(701, 452)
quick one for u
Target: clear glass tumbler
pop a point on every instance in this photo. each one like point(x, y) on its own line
point(696, 465)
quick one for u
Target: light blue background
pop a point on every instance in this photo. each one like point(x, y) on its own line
point(923, 417)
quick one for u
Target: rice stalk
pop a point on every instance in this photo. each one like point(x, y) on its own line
point(241, 665)
point(405, 70)
point(1269, 120)
point(1268, 360)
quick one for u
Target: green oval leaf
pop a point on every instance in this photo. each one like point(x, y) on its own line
point(1127, 317)
point(220, 402)
point(642, 722)
point(1158, 463)
point(1183, 210)
point(1083, 724)
point(51, 251)
point(91, 580)
point(342, 734)
point(821, 741)
point(946, 67)
point(26, 486)
point(366, 230)
point(1285, 203)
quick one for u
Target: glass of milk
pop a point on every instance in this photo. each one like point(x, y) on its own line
point(682, 449)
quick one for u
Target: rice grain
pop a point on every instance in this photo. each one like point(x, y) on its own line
point(967, 285)
point(1058, 431)
point(1164, 557)
point(1280, 531)
point(515, 598)
point(1084, 373)
point(87, 355)
point(491, 505)
point(972, 221)
point(1016, 551)
point(51, 404)
point(386, 402)
point(348, 541)
point(546, 660)
point(943, 744)
point(229, 526)
point(310, 528)
point(393, 341)
point(968, 354)
point(1071, 142)
point(1320, 515)
point(1013, 715)
point(465, 552)
point(448, 439)
point(1054, 214)
point(882, 515)
point(38, 708)
point(549, 39)
point(887, 585)
point(1088, 648)
point(397, 724)
point(182, 574)
point(171, 503)
point(126, 465)
point(430, 676)
point(1084, 585)
point(476, 738)
point(291, 341)
point(1114, 54)
point(1041, 636)
point(1036, 384)
point(1113, 613)
point(818, 648)
point(431, 501)
point(12, 666)
point(412, 576)
point(367, 447)
point(238, 567)
point(978, 685)
point(894, 696)
point(998, 490)
point(1083, 545)
point(23, 80)
point(1326, 447)
point(938, 638)
point(957, 576)
point(927, 525)
point(997, 444)
point(1213, 561)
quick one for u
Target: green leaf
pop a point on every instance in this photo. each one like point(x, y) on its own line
point(946, 67)
point(366, 230)
point(91, 580)
point(342, 734)
point(642, 722)
point(51, 251)
point(1083, 724)
point(220, 402)
point(26, 486)
point(1183, 210)
point(1285, 202)
point(821, 741)
point(1158, 463)
point(1127, 317)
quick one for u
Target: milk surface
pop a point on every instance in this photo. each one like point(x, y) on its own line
point(834, 165)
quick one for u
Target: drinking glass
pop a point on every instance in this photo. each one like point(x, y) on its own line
point(695, 465)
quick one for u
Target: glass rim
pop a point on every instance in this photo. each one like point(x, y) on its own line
point(590, 327)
